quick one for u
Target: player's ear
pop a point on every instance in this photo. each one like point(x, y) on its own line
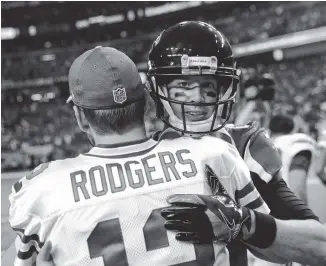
point(81, 120)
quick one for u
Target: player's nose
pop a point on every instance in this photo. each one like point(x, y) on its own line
point(196, 94)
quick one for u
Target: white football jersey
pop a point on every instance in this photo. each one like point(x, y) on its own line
point(102, 208)
point(290, 145)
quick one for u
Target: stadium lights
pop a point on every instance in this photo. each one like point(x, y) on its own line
point(9, 33)
point(48, 57)
point(278, 55)
point(280, 42)
point(36, 97)
point(84, 23)
point(171, 7)
point(131, 15)
point(32, 30)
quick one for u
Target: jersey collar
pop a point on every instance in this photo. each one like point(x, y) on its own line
point(126, 149)
point(170, 133)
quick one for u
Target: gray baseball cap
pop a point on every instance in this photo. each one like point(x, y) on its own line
point(104, 78)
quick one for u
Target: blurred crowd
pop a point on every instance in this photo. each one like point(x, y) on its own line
point(240, 26)
point(35, 131)
point(300, 91)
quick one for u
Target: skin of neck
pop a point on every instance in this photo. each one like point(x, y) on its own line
point(134, 134)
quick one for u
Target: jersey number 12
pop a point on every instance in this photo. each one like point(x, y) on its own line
point(106, 241)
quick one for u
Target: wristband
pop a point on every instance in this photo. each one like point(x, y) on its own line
point(265, 231)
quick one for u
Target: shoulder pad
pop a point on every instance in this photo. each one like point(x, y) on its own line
point(242, 134)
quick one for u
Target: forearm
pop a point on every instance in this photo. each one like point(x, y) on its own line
point(302, 241)
point(298, 183)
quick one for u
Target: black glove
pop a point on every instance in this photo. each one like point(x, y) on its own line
point(203, 219)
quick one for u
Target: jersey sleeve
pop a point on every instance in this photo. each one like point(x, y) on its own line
point(262, 157)
point(245, 192)
point(28, 227)
point(25, 218)
point(233, 171)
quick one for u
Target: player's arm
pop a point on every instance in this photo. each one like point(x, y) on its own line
point(295, 222)
point(217, 217)
point(298, 174)
point(202, 219)
point(28, 242)
point(292, 243)
point(24, 220)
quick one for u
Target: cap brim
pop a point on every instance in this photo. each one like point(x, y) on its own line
point(69, 99)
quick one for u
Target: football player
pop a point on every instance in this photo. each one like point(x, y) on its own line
point(298, 153)
point(194, 82)
point(103, 207)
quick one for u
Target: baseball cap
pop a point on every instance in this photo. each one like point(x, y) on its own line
point(104, 78)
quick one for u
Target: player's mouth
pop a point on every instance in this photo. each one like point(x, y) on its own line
point(196, 115)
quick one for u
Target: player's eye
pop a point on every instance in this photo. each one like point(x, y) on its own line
point(179, 94)
point(208, 85)
point(183, 84)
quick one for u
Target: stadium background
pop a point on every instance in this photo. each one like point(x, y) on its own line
point(41, 39)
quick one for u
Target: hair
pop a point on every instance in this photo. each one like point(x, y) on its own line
point(117, 120)
point(283, 124)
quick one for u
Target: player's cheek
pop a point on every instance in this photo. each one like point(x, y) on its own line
point(176, 108)
point(210, 110)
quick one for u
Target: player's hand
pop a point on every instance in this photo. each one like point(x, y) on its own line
point(203, 219)
point(44, 257)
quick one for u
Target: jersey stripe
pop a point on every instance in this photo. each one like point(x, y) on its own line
point(244, 191)
point(38, 170)
point(256, 203)
point(26, 238)
point(257, 168)
point(29, 244)
point(262, 157)
point(26, 255)
point(249, 198)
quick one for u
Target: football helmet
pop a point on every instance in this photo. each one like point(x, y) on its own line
point(192, 48)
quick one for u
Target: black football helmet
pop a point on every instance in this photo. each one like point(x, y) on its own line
point(192, 48)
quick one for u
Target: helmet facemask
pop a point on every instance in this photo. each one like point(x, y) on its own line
point(188, 50)
point(210, 113)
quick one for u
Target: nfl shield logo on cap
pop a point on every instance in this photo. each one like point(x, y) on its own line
point(119, 95)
